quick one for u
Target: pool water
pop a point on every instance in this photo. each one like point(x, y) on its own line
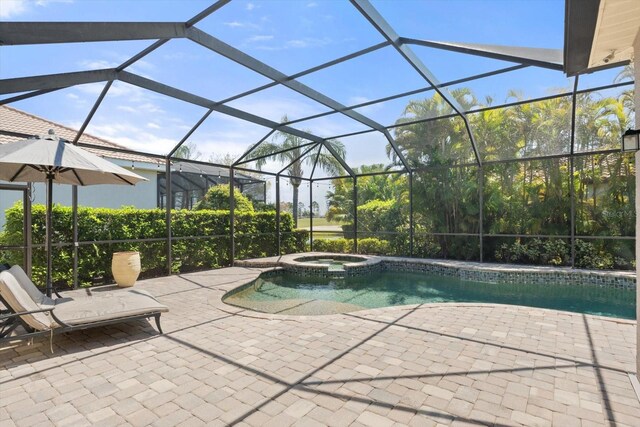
point(289, 294)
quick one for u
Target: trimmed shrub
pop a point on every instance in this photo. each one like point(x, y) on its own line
point(373, 246)
point(379, 215)
point(255, 237)
point(217, 198)
point(589, 256)
point(536, 251)
point(347, 231)
point(340, 246)
point(367, 246)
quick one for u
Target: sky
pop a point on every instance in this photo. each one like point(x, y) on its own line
point(290, 36)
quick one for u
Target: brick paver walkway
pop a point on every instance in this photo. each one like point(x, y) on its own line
point(411, 365)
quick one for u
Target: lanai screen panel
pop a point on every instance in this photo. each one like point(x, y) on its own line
point(435, 142)
point(616, 75)
point(376, 75)
point(331, 126)
point(488, 21)
point(221, 139)
point(76, 99)
point(602, 116)
point(282, 33)
point(277, 103)
point(533, 129)
point(142, 120)
point(188, 66)
point(34, 60)
point(437, 133)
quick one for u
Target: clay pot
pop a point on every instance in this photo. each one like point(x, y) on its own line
point(125, 267)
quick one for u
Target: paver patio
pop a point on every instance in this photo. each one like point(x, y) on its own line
point(420, 365)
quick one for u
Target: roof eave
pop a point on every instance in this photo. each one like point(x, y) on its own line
point(580, 21)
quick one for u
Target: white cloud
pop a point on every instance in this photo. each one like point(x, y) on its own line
point(48, 2)
point(97, 64)
point(235, 24)
point(329, 126)
point(180, 56)
point(307, 42)
point(9, 8)
point(121, 90)
point(73, 100)
point(274, 108)
point(259, 38)
point(250, 6)
point(238, 24)
point(356, 100)
point(131, 136)
point(139, 67)
point(144, 108)
point(127, 109)
point(153, 125)
point(144, 64)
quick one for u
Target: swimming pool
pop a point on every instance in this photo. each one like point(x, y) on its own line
point(291, 294)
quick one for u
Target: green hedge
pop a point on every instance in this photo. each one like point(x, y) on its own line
point(255, 237)
point(366, 246)
point(536, 251)
point(379, 215)
point(340, 246)
point(591, 254)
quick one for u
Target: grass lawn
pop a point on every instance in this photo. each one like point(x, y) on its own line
point(321, 221)
point(317, 221)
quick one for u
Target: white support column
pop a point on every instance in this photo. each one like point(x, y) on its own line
point(637, 255)
point(636, 64)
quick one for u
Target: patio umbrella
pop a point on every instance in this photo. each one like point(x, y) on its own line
point(50, 159)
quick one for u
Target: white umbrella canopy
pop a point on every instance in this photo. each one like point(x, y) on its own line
point(34, 160)
point(50, 159)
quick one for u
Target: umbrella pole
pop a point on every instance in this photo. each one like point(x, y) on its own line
point(49, 232)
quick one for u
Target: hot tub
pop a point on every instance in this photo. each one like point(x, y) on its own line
point(331, 265)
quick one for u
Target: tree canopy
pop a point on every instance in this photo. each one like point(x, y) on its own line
point(217, 198)
point(520, 197)
point(289, 150)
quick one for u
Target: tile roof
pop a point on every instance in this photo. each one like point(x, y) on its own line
point(20, 122)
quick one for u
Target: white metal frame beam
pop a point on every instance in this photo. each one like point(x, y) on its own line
point(230, 52)
point(21, 33)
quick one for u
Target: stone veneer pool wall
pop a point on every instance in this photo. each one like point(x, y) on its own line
point(501, 273)
point(355, 265)
point(473, 271)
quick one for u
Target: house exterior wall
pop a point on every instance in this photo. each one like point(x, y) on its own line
point(142, 195)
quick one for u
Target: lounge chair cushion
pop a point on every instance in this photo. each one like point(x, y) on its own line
point(77, 307)
point(18, 291)
point(29, 287)
point(99, 306)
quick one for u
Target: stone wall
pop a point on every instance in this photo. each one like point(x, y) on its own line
point(473, 271)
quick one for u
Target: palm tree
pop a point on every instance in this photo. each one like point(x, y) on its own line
point(188, 151)
point(626, 97)
point(285, 141)
point(434, 142)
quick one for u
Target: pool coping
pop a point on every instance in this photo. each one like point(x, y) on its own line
point(465, 270)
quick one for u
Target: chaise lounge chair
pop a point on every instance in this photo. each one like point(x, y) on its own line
point(41, 315)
